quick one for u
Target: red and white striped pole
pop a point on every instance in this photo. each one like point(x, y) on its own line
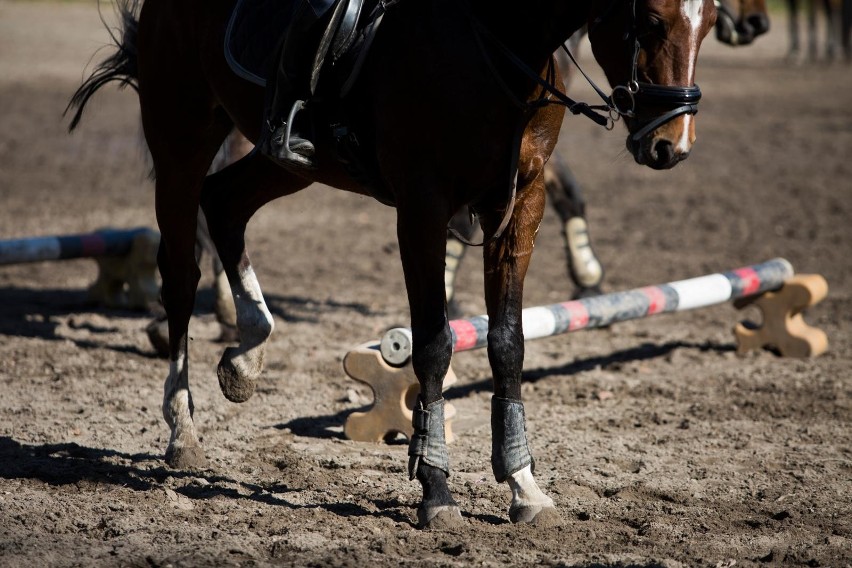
point(604, 310)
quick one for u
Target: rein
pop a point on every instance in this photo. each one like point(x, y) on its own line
point(623, 99)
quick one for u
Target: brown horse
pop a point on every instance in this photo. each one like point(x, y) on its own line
point(838, 23)
point(741, 21)
point(451, 108)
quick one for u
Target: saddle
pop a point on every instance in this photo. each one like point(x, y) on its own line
point(255, 30)
point(256, 27)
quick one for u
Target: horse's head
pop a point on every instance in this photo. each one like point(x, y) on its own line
point(741, 21)
point(648, 50)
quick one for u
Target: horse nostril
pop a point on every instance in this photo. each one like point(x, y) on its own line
point(662, 152)
point(760, 23)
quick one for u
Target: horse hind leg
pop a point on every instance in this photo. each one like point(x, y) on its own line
point(183, 135)
point(229, 199)
point(566, 196)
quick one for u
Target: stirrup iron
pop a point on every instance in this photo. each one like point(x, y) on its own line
point(286, 153)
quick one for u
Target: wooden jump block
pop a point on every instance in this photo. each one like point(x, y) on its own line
point(395, 390)
point(129, 281)
point(783, 326)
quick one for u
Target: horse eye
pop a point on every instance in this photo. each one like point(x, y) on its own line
point(656, 26)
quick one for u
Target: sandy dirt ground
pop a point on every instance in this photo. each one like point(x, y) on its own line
point(660, 445)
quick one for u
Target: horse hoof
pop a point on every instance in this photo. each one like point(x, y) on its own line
point(535, 514)
point(236, 386)
point(445, 517)
point(190, 457)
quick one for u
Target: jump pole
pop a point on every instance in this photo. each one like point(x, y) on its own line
point(771, 286)
point(126, 258)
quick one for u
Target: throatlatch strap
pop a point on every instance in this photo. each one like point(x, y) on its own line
point(428, 442)
point(510, 452)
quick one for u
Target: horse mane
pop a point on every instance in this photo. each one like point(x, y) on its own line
point(121, 66)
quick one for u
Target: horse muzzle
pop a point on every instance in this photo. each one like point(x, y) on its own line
point(661, 141)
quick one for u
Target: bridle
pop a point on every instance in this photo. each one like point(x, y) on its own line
point(623, 101)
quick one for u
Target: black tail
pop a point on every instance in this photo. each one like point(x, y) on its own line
point(121, 66)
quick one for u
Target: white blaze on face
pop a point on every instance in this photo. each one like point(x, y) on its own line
point(691, 10)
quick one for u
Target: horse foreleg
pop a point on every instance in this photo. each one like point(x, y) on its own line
point(566, 196)
point(812, 30)
point(793, 28)
point(422, 233)
point(832, 28)
point(229, 199)
point(235, 147)
point(846, 29)
point(506, 263)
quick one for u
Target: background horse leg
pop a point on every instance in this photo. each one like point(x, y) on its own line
point(793, 23)
point(846, 29)
point(506, 263)
point(566, 196)
point(229, 199)
point(812, 30)
point(422, 232)
point(832, 28)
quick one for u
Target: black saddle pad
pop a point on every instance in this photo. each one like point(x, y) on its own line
point(253, 33)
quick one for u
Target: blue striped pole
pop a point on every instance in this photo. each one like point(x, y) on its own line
point(108, 242)
point(601, 311)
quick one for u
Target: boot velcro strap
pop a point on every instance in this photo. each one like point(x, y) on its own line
point(418, 445)
point(420, 419)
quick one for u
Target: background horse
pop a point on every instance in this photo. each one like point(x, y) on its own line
point(740, 22)
point(484, 121)
point(838, 21)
